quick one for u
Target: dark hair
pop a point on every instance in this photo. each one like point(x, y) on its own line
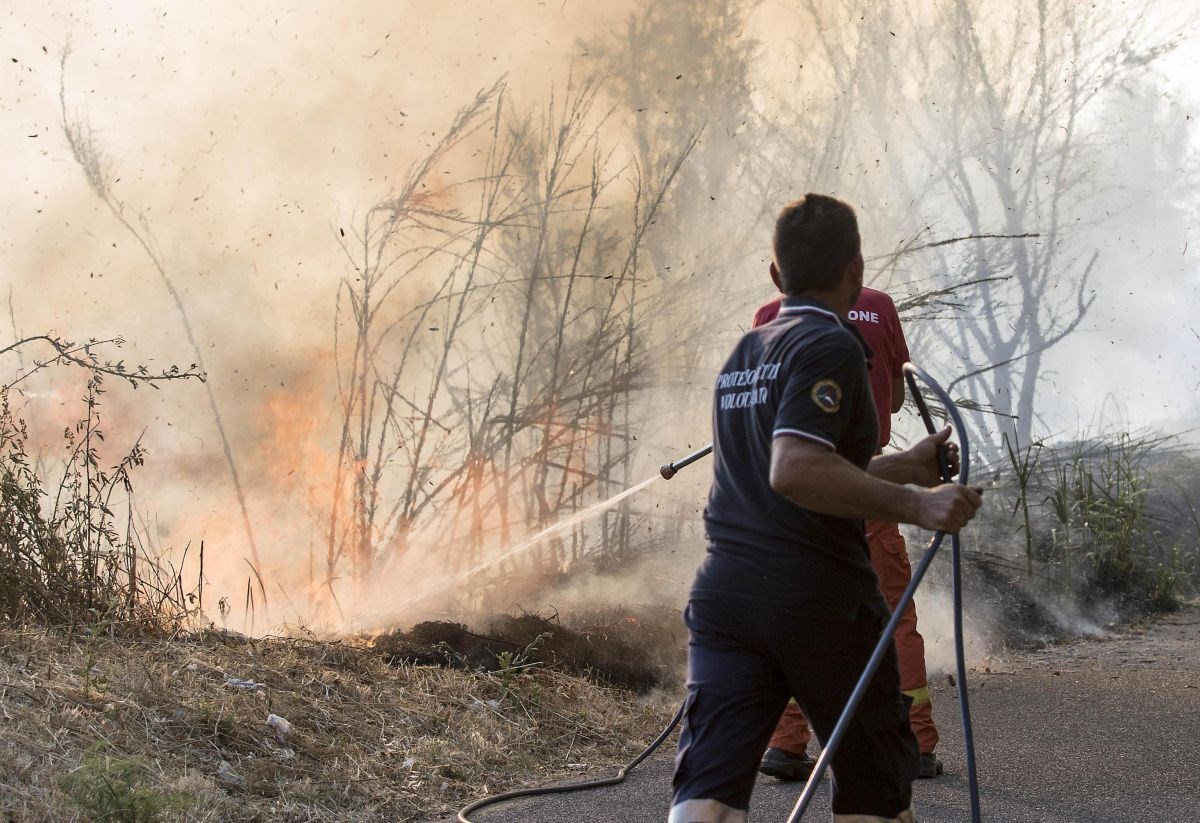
point(816, 237)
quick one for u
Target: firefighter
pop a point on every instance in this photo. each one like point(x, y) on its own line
point(785, 603)
point(787, 758)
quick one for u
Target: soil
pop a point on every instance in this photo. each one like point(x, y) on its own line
point(639, 648)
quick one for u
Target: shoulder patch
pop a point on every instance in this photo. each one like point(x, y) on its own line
point(827, 394)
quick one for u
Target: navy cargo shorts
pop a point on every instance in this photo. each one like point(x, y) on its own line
point(743, 665)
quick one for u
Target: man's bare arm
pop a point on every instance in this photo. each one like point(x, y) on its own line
point(813, 476)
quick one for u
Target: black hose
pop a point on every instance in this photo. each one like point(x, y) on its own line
point(619, 777)
point(911, 372)
point(839, 730)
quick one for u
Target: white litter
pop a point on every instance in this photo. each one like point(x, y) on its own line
point(281, 726)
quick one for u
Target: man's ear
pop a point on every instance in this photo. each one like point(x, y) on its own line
point(775, 276)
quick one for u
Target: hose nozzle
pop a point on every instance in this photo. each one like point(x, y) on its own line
point(669, 470)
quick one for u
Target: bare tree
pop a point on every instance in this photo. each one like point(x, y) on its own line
point(991, 136)
point(490, 341)
point(681, 72)
point(381, 420)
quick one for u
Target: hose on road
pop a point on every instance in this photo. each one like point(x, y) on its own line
point(619, 777)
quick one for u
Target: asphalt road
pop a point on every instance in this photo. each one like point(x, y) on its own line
point(1102, 729)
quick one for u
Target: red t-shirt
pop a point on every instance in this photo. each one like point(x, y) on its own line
point(875, 316)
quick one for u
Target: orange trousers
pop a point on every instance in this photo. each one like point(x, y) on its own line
point(889, 556)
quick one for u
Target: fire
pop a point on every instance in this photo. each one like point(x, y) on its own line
point(291, 452)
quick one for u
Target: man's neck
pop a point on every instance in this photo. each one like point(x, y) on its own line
point(833, 300)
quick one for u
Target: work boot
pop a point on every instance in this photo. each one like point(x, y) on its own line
point(786, 766)
point(930, 766)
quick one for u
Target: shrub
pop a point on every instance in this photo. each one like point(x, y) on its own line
point(109, 788)
point(1099, 524)
point(69, 553)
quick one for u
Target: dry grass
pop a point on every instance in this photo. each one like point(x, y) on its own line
point(368, 742)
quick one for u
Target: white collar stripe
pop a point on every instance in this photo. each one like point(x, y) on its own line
point(798, 309)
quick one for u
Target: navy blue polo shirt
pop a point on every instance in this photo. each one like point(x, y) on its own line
point(802, 375)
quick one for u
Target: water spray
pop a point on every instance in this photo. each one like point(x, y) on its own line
point(669, 470)
point(403, 600)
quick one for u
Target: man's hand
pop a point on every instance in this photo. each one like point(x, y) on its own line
point(947, 507)
point(924, 459)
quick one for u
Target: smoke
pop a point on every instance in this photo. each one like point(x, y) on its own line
point(935, 622)
point(250, 141)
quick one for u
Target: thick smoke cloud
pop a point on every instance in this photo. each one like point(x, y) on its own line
point(250, 136)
